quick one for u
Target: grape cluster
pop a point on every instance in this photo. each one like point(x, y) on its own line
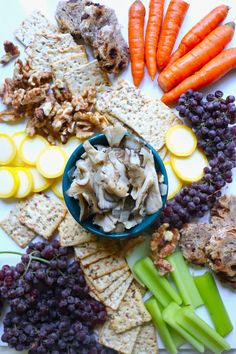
point(212, 118)
point(51, 311)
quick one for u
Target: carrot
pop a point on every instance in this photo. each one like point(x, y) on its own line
point(194, 60)
point(136, 40)
point(173, 20)
point(156, 8)
point(211, 72)
point(200, 31)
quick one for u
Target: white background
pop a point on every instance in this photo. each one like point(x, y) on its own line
point(12, 12)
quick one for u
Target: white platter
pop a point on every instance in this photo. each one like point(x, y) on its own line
point(12, 12)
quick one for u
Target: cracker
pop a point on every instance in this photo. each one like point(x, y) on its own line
point(149, 118)
point(33, 24)
point(106, 266)
point(42, 214)
point(131, 312)
point(90, 248)
point(15, 229)
point(72, 234)
point(97, 256)
point(58, 54)
point(115, 299)
point(86, 76)
point(100, 284)
point(69, 64)
point(123, 342)
point(146, 342)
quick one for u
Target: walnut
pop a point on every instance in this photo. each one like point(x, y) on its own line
point(164, 266)
point(10, 116)
point(18, 97)
point(60, 92)
point(11, 52)
point(7, 91)
point(36, 95)
point(21, 71)
point(39, 78)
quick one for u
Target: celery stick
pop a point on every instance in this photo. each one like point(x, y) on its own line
point(154, 310)
point(191, 322)
point(157, 284)
point(210, 294)
point(169, 316)
point(184, 281)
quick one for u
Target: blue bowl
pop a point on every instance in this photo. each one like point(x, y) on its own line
point(73, 204)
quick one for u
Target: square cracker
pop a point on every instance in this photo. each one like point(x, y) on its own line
point(42, 214)
point(146, 342)
point(131, 312)
point(106, 266)
point(100, 284)
point(69, 64)
point(149, 118)
point(89, 248)
point(93, 258)
point(58, 54)
point(123, 342)
point(33, 24)
point(71, 233)
point(87, 75)
point(15, 229)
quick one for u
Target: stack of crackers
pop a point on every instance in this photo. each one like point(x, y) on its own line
point(128, 329)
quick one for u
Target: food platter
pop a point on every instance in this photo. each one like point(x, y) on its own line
point(19, 10)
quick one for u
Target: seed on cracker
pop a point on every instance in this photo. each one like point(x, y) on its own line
point(115, 299)
point(146, 342)
point(68, 64)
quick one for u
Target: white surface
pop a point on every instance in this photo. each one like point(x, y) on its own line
point(12, 12)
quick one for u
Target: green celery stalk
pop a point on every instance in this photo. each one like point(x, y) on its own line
point(210, 294)
point(184, 281)
point(192, 323)
point(154, 310)
point(169, 316)
point(157, 284)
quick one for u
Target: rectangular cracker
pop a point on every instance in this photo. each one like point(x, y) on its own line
point(72, 234)
point(87, 75)
point(69, 64)
point(58, 54)
point(15, 229)
point(97, 256)
point(149, 118)
point(123, 343)
point(146, 342)
point(106, 266)
point(100, 284)
point(90, 248)
point(42, 214)
point(131, 312)
point(115, 299)
point(33, 24)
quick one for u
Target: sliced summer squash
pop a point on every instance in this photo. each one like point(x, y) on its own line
point(51, 162)
point(25, 182)
point(57, 188)
point(18, 138)
point(181, 140)
point(39, 182)
point(30, 148)
point(9, 182)
point(7, 149)
point(210, 294)
point(174, 183)
point(71, 145)
point(189, 169)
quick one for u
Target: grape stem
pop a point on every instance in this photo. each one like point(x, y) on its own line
point(30, 255)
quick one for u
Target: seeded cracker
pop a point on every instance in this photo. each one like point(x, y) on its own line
point(115, 299)
point(58, 54)
point(42, 214)
point(98, 256)
point(33, 24)
point(146, 342)
point(123, 343)
point(106, 266)
point(89, 248)
point(131, 312)
point(15, 229)
point(69, 64)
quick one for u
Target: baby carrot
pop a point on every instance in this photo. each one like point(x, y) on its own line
point(198, 32)
point(173, 20)
point(153, 30)
point(194, 60)
point(136, 40)
point(211, 72)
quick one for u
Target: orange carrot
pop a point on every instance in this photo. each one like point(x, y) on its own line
point(211, 72)
point(200, 31)
point(173, 20)
point(136, 40)
point(156, 8)
point(194, 60)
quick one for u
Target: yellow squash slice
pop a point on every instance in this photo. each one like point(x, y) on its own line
point(174, 183)
point(189, 169)
point(57, 188)
point(71, 145)
point(39, 182)
point(7, 149)
point(9, 182)
point(30, 148)
point(51, 162)
point(18, 138)
point(25, 182)
point(181, 141)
